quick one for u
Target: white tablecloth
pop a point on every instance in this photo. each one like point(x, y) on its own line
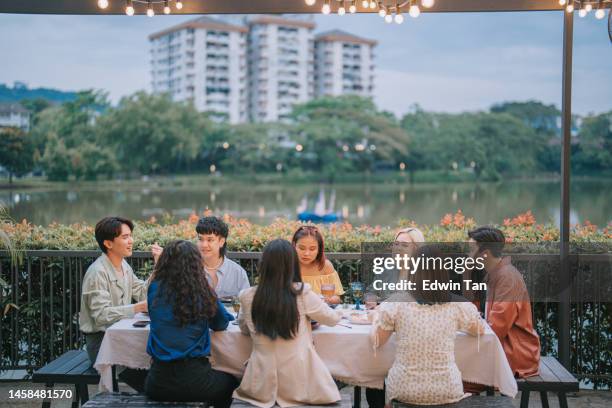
point(347, 353)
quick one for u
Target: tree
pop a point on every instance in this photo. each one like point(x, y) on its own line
point(346, 133)
point(16, 152)
point(595, 148)
point(153, 134)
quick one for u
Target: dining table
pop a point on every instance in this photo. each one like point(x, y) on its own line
point(346, 350)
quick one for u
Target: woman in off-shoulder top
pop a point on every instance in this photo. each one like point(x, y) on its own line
point(284, 367)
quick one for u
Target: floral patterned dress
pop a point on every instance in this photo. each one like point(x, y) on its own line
point(424, 371)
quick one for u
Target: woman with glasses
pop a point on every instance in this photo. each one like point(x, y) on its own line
point(316, 270)
point(284, 367)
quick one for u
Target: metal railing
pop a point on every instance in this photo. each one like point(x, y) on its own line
point(42, 298)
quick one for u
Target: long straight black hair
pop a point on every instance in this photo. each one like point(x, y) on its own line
point(274, 310)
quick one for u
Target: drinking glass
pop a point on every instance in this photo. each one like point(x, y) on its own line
point(328, 290)
point(236, 304)
point(357, 290)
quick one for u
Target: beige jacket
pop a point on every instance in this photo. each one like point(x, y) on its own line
point(287, 372)
point(105, 298)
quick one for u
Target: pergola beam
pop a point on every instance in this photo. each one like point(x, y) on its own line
point(262, 6)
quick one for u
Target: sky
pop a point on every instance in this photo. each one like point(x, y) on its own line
point(449, 62)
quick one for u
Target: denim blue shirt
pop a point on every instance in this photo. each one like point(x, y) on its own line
point(169, 341)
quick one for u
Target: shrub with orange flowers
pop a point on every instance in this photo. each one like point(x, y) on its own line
point(340, 237)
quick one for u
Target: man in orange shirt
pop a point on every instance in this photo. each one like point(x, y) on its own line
point(508, 308)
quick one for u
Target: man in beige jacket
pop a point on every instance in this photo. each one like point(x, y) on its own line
point(109, 285)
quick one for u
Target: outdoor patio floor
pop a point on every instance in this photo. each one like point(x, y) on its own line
point(583, 399)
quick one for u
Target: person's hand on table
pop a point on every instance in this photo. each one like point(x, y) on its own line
point(333, 300)
point(156, 251)
point(141, 307)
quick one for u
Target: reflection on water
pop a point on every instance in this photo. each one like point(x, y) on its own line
point(368, 203)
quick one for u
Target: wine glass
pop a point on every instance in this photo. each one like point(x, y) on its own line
point(357, 290)
point(236, 304)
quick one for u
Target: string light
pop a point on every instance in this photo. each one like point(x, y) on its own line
point(388, 18)
point(562, 2)
point(326, 7)
point(372, 4)
point(399, 19)
point(353, 7)
point(381, 9)
point(588, 7)
point(166, 7)
point(129, 8)
point(582, 13)
point(414, 11)
point(365, 3)
point(150, 11)
point(103, 4)
point(570, 7)
point(341, 9)
point(310, 2)
point(600, 13)
point(427, 3)
point(179, 5)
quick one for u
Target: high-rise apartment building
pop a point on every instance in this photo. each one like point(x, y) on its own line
point(203, 61)
point(344, 64)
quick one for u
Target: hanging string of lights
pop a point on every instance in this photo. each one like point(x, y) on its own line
point(150, 6)
point(389, 12)
point(393, 12)
point(585, 7)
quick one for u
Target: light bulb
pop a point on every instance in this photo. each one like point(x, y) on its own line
point(103, 4)
point(166, 8)
point(326, 9)
point(582, 13)
point(341, 11)
point(414, 11)
point(365, 4)
point(150, 12)
point(388, 18)
point(570, 8)
point(599, 14)
point(352, 9)
point(179, 5)
point(399, 18)
point(310, 2)
point(588, 7)
point(427, 3)
point(129, 10)
point(372, 5)
point(562, 2)
point(382, 12)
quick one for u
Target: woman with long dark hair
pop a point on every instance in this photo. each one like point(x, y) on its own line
point(183, 308)
point(284, 367)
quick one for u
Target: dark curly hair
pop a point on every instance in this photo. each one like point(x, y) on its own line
point(182, 281)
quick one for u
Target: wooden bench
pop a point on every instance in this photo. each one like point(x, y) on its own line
point(122, 399)
point(553, 377)
point(72, 367)
point(475, 401)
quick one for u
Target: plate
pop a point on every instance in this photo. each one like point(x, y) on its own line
point(359, 318)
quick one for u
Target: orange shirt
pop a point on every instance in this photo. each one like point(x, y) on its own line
point(508, 312)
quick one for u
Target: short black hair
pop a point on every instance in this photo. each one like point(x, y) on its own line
point(109, 228)
point(490, 238)
point(214, 225)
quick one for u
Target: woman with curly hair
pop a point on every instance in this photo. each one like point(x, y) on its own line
point(183, 308)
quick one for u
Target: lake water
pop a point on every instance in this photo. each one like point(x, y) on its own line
point(368, 203)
